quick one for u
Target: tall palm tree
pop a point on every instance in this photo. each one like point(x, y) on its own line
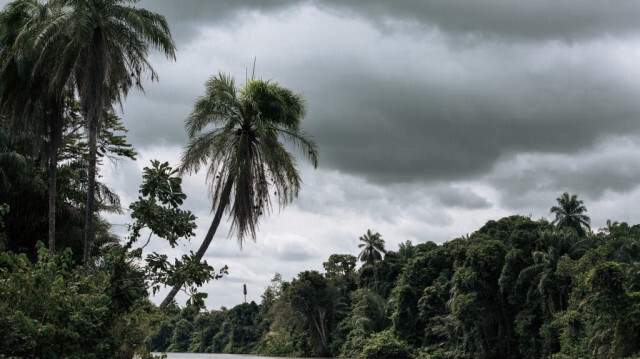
point(570, 214)
point(236, 134)
point(101, 47)
point(373, 247)
point(24, 89)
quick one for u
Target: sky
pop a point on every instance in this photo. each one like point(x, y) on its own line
point(431, 118)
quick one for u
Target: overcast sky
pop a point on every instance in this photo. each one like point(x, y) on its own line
point(431, 117)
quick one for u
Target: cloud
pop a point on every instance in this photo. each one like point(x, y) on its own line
point(396, 108)
point(613, 166)
point(509, 20)
point(503, 19)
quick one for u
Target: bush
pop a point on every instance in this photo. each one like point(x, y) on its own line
point(51, 309)
point(384, 345)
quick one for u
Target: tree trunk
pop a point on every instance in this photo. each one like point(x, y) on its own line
point(224, 201)
point(54, 145)
point(91, 189)
point(93, 94)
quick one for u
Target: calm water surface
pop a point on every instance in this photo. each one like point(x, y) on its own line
point(213, 356)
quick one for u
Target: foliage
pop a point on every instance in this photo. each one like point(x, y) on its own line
point(516, 288)
point(23, 175)
point(52, 308)
point(384, 345)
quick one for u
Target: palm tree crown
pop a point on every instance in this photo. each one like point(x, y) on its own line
point(570, 214)
point(243, 149)
point(373, 247)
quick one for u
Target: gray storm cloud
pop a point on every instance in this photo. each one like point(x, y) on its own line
point(396, 107)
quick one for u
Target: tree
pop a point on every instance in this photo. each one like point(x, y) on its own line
point(570, 214)
point(101, 47)
point(542, 273)
point(23, 178)
point(237, 132)
point(339, 265)
point(312, 296)
point(25, 94)
point(373, 245)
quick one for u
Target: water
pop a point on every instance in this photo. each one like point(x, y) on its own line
point(214, 356)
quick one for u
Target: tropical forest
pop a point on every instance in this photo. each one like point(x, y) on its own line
point(76, 284)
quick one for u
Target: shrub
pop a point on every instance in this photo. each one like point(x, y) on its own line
point(384, 345)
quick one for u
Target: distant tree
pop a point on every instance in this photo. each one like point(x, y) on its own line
point(406, 251)
point(339, 265)
point(312, 296)
point(570, 214)
point(373, 247)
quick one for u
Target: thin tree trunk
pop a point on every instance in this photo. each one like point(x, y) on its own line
point(91, 189)
point(94, 94)
point(321, 329)
point(54, 145)
point(224, 201)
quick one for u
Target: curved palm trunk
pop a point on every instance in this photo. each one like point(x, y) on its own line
point(93, 104)
point(54, 145)
point(224, 201)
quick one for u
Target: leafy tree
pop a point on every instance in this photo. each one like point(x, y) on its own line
point(477, 304)
point(570, 214)
point(244, 153)
point(339, 265)
point(313, 297)
point(158, 210)
point(421, 272)
point(181, 336)
point(373, 247)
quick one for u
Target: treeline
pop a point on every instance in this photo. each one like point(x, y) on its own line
point(515, 288)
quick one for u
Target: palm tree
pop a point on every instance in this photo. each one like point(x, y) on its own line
point(570, 214)
point(373, 246)
point(101, 46)
point(25, 92)
point(542, 273)
point(406, 251)
point(236, 134)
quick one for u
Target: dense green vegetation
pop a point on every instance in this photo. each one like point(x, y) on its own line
point(515, 288)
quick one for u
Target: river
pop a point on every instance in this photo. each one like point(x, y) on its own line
point(213, 356)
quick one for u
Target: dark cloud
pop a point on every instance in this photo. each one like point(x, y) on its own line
point(503, 19)
point(394, 130)
point(186, 17)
